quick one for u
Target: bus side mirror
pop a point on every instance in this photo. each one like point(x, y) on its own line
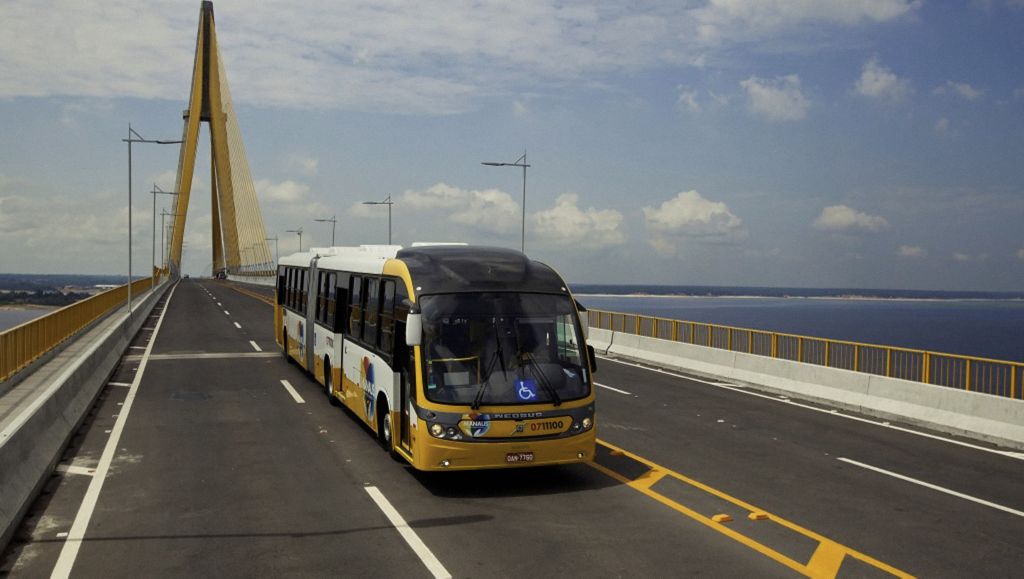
point(593, 358)
point(413, 329)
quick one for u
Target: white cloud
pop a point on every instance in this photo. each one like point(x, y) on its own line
point(725, 19)
point(687, 99)
point(961, 89)
point(942, 126)
point(879, 82)
point(776, 100)
point(391, 57)
point(567, 225)
point(488, 210)
point(1020, 254)
point(843, 218)
point(302, 164)
point(519, 108)
point(912, 251)
point(959, 256)
point(688, 215)
point(283, 192)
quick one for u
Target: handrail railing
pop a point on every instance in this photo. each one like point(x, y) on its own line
point(24, 343)
point(986, 375)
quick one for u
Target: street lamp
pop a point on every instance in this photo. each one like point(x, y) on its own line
point(277, 256)
point(299, 231)
point(389, 203)
point(333, 222)
point(520, 162)
point(134, 137)
point(157, 191)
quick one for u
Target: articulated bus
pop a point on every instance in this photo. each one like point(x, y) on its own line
point(456, 356)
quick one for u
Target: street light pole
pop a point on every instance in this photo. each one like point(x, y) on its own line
point(299, 231)
point(333, 221)
point(134, 137)
point(387, 201)
point(277, 256)
point(157, 191)
point(520, 162)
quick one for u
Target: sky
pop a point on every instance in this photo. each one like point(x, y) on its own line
point(815, 143)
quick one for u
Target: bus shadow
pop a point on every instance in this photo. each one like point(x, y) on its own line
point(519, 482)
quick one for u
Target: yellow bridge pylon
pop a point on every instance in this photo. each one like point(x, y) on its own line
point(239, 237)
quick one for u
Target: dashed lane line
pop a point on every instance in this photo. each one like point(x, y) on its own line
point(932, 486)
point(237, 325)
point(288, 386)
point(255, 346)
point(69, 552)
point(226, 313)
point(832, 412)
point(411, 538)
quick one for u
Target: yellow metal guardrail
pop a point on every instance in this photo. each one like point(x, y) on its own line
point(996, 377)
point(22, 344)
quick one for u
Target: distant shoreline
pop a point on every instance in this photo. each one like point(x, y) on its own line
point(26, 307)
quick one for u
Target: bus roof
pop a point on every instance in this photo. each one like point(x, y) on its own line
point(467, 268)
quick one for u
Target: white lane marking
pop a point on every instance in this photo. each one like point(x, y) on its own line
point(255, 346)
point(226, 313)
point(237, 325)
point(69, 552)
point(137, 347)
point(288, 386)
point(613, 389)
point(72, 469)
point(933, 487)
point(220, 304)
point(883, 424)
point(122, 384)
point(415, 543)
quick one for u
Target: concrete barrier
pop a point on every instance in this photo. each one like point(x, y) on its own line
point(32, 441)
point(979, 416)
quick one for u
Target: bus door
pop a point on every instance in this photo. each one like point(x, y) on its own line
point(312, 299)
point(406, 366)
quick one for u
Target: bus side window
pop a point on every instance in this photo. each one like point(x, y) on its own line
point(331, 301)
point(341, 320)
point(280, 285)
point(303, 290)
point(321, 300)
point(355, 313)
point(387, 317)
point(290, 281)
point(372, 312)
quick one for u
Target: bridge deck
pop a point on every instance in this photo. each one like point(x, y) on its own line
point(215, 468)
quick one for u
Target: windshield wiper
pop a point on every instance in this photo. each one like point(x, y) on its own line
point(498, 356)
point(538, 372)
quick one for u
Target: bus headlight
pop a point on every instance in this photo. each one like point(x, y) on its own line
point(587, 423)
point(451, 432)
point(437, 430)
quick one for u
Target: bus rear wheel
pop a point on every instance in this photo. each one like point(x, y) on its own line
point(329, 383)
point(385, 429)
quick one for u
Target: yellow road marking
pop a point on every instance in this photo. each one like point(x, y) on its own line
point(251, 294)
point(827, 558)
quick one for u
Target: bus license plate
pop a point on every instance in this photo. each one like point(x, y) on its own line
point(515, 457)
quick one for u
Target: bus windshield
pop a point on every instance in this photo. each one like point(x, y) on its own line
point(502, 348)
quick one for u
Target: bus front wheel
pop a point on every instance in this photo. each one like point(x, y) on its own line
point(385, 429)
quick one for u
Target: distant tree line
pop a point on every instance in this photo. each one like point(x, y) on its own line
point(41, 298)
